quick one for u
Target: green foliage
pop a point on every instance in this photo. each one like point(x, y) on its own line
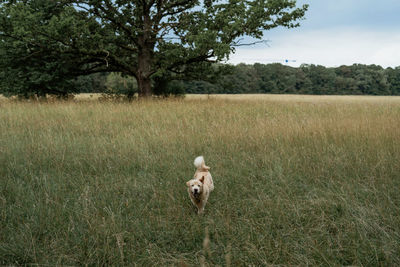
point(307, 79)
point(167, 88)
point(393, 78)
point(93, 83)
point(36, 47)
point(121, 85)
point(48, 43)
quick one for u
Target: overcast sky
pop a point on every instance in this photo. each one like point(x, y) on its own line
point(334, 33)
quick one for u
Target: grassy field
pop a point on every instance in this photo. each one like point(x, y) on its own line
point(298, 181)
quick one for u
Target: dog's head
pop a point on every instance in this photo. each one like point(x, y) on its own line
point(196, 186)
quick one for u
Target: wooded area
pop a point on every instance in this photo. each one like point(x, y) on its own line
point(260, 78)
point(307, 79)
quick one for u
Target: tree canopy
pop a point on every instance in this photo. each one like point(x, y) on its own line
point(46, 44)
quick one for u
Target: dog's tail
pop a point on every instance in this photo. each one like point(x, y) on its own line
point(200, 164)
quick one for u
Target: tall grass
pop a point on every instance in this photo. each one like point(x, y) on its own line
point(296, 183)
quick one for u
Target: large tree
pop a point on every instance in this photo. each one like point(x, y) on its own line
point(48, 42)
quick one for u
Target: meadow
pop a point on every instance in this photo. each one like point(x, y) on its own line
point(299, 180)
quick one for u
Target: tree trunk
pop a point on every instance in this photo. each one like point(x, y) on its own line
point(145, 58)
point(144, 86)
point(143, 72)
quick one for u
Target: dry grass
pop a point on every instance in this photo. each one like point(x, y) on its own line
point(299, 181)
point(302, 98)
point(270, 97)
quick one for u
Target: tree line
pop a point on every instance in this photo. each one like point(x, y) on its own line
point(276, 78)
point(357, 79)
point(258, 78)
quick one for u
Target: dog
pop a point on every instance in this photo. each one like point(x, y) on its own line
point(201, 185)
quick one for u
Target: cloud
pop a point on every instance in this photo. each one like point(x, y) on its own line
point(330, 47)
point(370, 14)
point(334, 33)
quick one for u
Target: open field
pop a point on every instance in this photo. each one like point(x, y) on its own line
point(299, 180)
point(268, 97)
point(281, 98)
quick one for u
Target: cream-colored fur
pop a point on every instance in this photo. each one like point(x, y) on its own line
point(201, 185)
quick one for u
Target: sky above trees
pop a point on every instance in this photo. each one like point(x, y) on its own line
point(335, 32)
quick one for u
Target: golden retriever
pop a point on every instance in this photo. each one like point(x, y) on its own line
point(201, 185)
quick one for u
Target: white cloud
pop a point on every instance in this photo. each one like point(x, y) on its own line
point(333, 47)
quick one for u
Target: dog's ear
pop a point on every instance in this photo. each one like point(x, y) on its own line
point(188, 183)
point(202, 180)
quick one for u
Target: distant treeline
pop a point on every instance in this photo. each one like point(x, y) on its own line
point(272, 79)
point(308, 79)
point(259, 79)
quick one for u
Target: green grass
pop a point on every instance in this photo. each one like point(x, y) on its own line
point(296, 183)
